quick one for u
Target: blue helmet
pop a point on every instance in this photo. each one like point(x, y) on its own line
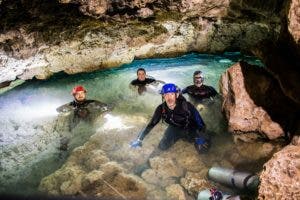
point(169, 88)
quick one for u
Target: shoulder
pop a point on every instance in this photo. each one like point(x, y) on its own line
point(90, 101)
point(160, 107)
point(208, 87)
point(187, 88)
point(159, 110)
point(134, 82)
point(190, 87)
point(212, 89)
point(149, 80)
point(72, 103)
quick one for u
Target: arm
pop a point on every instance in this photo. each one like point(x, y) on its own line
point(65, 108)
point(98, 105)
point(202, 140)
point(184, 90)
point(197, 117)
point(133, 82)
point(159, 81)
point(212, 91)
point(155, 119)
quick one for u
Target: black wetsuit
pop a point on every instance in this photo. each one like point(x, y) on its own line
point(201, 92)
point(86, 110)
point(137, 82)
point(184, 122)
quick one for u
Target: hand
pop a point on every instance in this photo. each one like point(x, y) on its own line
point(136, 143)
point(202, 144)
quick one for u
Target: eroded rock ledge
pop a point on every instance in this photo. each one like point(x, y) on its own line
point(280, 178)
point(39, 39)
point(255, 105)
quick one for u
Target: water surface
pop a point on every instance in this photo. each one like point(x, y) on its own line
point(31, 129)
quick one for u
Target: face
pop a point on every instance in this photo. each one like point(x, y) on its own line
point(141, 75)
point(80, 96)
point(198, 80)
point(170, 99)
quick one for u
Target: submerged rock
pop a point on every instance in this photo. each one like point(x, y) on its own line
point(103, 178)
point(194, 182)
point(176, 191)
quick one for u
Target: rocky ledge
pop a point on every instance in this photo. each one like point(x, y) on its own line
point(38, 39)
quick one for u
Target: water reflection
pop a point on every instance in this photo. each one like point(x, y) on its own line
point(31, 130)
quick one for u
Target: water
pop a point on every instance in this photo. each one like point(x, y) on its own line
point(31, 129)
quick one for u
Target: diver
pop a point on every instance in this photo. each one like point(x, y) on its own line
point(184, 122)
point(142, 81)
point(199, 91)
point(81, 109)
point(81, 106)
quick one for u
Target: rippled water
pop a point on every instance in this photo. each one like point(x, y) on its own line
point(31, 129)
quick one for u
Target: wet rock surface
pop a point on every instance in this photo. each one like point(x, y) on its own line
point(40, 39)
point(178, 173)
point(281, 174)
point(294, 21)
point(56, 37)
point(103, 178)
point(252, 106)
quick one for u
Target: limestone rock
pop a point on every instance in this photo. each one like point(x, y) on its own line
point(194, 182)
point(145, 13)
point(206, 8)
point(167, 166)
point(294, 21)
point(176, 192)
point(157, 178)
point(78, 177)
point(242, 112)
point(280, 178)
point(186, 156)
point(60, 39)
point(296, 141)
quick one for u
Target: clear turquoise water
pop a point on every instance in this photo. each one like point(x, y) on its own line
point(27, 106)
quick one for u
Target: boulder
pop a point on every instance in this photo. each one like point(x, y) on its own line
point(241, 85)
point(90, 173)
point(280, 178)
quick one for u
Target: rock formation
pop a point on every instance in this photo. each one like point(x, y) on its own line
point(254, 103)
point(280, 178)
point(90, 172)
point(56, 37)
point(40, 38)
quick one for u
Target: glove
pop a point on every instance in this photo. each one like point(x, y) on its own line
point(215, 195)
point(202, 144)
point(136, 143)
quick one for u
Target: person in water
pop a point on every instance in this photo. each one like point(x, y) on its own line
point(82, 108)
point(142, 81)
point(184, 122)
point(199, 91)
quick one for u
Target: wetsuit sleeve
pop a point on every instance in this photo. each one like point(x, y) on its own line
point(98, 105)
point(133, 82)
point(197, 117)
point(212, 91)
point(65, 108)
point(184, 90)
point(150, 80)
point(155, 119)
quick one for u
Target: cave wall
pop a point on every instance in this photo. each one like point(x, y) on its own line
point(40, 38)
